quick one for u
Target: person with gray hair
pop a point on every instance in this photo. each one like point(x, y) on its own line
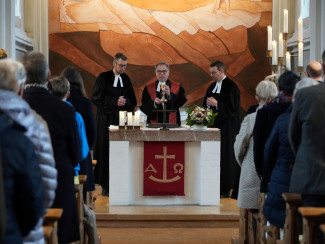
point(63, 128)
point(23, 189)
point(152, 97)
point(36, 130)
point(249, 182)
point(278, 163)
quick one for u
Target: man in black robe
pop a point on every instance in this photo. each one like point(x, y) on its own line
point(223, 97)
point(152, 97)
point(113, 92)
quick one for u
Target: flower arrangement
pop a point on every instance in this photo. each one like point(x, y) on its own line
point(3, 53)
point(197, 115)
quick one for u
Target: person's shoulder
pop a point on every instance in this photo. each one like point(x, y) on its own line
point(229, 82)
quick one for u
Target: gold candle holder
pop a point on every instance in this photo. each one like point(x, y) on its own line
point(300, 69)
point(280, 61)
point(274, 68)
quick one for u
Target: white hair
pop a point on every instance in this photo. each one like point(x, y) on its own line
point(303, 83)
point(265, 91)
point(17, 69)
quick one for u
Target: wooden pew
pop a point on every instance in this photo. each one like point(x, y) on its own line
point(273, 234)
point(246, 232)
point(51, 220)
point(311, 216)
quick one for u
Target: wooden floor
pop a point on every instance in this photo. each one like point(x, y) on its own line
point(167, 224)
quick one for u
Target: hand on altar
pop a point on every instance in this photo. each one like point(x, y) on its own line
point(167, 90)
point(121, 101)
point(211, 101)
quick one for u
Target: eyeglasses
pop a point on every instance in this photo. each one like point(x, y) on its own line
point(121, 65)
point(162, 71)
point(213, 73)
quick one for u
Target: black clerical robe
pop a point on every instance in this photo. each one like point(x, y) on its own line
point(174, 102)
point(228, 122)
point(105, 97)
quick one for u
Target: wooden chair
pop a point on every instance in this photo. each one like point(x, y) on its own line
point(291, 225)
point(273, 234)
point(322, 227)
point(260, 221)
point(311, 216)
point(48, 232)
point(246, 232)
point(80, 202)
point(51, 221)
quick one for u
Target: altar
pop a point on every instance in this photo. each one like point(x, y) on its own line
point(202, 170)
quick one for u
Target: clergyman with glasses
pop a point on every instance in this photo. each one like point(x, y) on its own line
point(113, 92)
point(153, 93)
point(223, 96)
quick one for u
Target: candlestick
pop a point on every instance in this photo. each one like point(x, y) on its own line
point(121, 118)
point(300, 30)
point(285, 21)
point(300, 54)
point(288, 61)
point(274, 53)
point(130, 118)
point(269, 38)
point(280, 45)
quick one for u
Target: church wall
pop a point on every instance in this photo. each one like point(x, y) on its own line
point(189, 35)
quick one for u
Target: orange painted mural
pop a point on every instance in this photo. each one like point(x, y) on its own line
point(187, 34)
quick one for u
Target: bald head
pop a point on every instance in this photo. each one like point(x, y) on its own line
point(314, 70)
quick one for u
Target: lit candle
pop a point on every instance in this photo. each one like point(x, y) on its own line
point(269, 38)
point(285, 21)
point(300, 30)
point(121, 118)
point(300, 54)
point(288, 61)
point(130, 118)
point(281, 45)
point(274, 53)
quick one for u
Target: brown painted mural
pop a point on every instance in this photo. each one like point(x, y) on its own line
point(187, 34)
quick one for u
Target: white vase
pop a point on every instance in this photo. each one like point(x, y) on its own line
point(200, 127)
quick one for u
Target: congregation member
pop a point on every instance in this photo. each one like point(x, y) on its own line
point(78, 98)
point(113, 92)
point(60, 118)
point(36, 130)
point(152, 97)
point(307, 124)
point(223, 97)
point(60, 87)
point(249, 183)
point(314, 70)
point(278, 162)
point(23, 188)
point(266, 117)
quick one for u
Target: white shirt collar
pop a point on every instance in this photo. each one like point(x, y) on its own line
point(116, 79)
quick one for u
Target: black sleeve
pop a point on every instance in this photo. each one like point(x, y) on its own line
point(90, 124)
point(229, 104)
point(177, 100)
point(147, 105)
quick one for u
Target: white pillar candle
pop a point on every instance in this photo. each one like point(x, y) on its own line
point(274, 53)
point(285, 21)
point(300, 30)
point(288, 61)
point(130, 121)
point(121, 118)
point(300, 54)
point(136, 119)
point(269, 38)
point(281, 45)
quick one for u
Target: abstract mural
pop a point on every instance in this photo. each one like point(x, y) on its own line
point(187, 34)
